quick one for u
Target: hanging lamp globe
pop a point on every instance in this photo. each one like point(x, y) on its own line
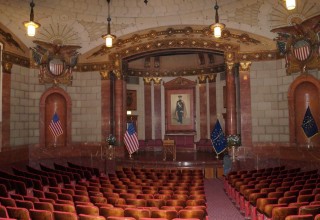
point(291, 4)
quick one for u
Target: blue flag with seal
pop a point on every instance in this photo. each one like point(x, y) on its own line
point(309, 124)
point(218, 139)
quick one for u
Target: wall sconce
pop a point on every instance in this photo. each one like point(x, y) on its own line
point(129, 112)
point(31, 25)
point(290, 4)
point(217, 27)
point(109, 37)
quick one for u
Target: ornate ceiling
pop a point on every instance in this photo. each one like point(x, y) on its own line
point(83, 22)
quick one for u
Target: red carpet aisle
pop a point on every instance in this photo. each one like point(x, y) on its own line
point(219, 206)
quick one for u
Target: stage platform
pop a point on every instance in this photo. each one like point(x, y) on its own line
point(97, 156)
point(206, 161)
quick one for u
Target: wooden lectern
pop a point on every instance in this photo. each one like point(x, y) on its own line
point(169, 146)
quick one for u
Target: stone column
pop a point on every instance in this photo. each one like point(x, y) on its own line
point(203, 106)
point(157, 108)
point(120, 107)
point(107, 105)
point(231, 114)
point(147, 108)
point(6, 93)
point(245, 104)
point(212, 100)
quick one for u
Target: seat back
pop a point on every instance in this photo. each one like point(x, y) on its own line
point(87, 210)
point(309, 209)
point(111, 211)
point(24, 204)
point(280, 213)
point(40, 214)
point(167, 214)
point(43, 206)
point(187, 213)
point(18, 213)
point(64, 208)
point(137, 213)
point(299, 217)
point(90, 217)
point(58, 215)
point(3, 212)
point(7, 202)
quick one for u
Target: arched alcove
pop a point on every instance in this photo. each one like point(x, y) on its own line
point(55, 100)
point(303, 92)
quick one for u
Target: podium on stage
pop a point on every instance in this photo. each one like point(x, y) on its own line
point(169, 147)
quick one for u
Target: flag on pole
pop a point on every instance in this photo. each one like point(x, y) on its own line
point(309, 124)
point(55, 126)
point(218, 139)
point(131, 139)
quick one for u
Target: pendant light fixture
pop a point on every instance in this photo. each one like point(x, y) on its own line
point(217, 27)
point(31, 25)
point(109, 37)
point(290, 4)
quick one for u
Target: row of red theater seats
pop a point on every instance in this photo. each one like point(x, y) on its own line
point(85, 212)
point(37, 179)
point(254, 196)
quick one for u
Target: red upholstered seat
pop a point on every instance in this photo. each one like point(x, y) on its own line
point(40, 214)
point(137, 213)
point(109, 211)
point(7, 202)
point(166, 214)
point(90, 217)
point(58, 215)
point(3, 212)
point(64, 208)
point(87, 209)
point(44, 206)
point(309, 209)
point(299, 217)
point(280, 213)
point(18, 213)
point(24, 204)
point(186, 213)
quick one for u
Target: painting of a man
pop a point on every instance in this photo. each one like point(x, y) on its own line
point(180, 111)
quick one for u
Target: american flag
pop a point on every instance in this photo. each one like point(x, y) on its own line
point(55, 126)
point(131, 139)
point(302, 53)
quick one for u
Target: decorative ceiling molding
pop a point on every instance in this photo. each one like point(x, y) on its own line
point(8, 38)
point(176, 43)
point(59, 33)
point(152, 35)
point(172, 73)
point(259, 56)
point(15, 59)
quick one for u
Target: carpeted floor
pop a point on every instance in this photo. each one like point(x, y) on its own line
point(219, 206)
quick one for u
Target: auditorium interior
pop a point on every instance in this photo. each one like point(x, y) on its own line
point(159, 109)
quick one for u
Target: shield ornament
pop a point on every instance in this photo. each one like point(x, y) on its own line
point(56, 67)
point(301, 50)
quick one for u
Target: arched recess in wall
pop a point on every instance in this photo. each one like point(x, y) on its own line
point(303, 92)
point(54, 100)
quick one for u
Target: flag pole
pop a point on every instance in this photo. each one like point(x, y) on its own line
point(55, 141)
point(55, 137)
point(309, 143)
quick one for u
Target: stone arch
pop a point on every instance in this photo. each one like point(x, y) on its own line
point(66, 109)
point(304, 91)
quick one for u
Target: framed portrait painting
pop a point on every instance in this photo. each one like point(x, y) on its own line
point(180, 110)
point(131, 100)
